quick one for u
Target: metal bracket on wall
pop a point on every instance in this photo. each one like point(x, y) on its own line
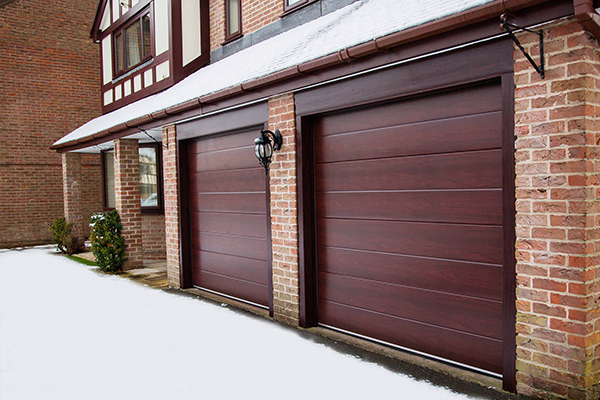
point(507, 27)
point(166, 146)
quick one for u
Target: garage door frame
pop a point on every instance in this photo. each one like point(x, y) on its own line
point(242, 119)
point(485, 61)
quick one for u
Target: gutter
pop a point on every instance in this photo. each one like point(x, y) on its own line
point(379, 45)
point(587, 16)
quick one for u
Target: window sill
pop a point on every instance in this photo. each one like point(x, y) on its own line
point(231, 39)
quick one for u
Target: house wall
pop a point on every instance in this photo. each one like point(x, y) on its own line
point(153, 237)
point(557, 133)
point(49, 86)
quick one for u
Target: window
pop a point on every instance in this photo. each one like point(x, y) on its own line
point(133, 44)
point(233, 19)
point(151, 196)
point(289, 5)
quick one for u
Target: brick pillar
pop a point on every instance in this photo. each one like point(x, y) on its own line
point(558, 215)
point(169, 135)
point(284, 219)
point(72, 196)
point(127, 199)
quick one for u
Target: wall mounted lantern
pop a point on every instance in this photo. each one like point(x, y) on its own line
point(265, 145)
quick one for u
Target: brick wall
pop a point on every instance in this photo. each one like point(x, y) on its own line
point(153, 237)
point(558, 236)
point(255, 15)
point(127, 198)
point(91, 169)
point(169, 135)
point(284, 212)
point(49, 86)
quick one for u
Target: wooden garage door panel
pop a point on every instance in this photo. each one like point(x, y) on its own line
point(232, 266)
point(472, 170)
point(468, 101)
point(231, 245)
point(466, 133)
point(246, 180)
point(424, 206)
point(475, 350)
point(467, 314)
point(476, 243)
point(243, 203)
point(484, 280)
point(230, 159)
point(241, 289)
point(251, 225)
point(216, 143)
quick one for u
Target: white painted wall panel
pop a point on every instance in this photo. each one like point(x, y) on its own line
point(108, 97)
point(115, 9)
point(190, 26)
point(162, 71)
point(137, 83)
point(118, 93)
point(127, 87)
point(105, 18)
point(161, 26)
point(148, 78)
point(107, 60)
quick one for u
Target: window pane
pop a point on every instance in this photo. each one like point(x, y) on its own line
point(292, 2)
point(109, 179)
point(133, 44)
point(119, 51)
point(148, 177)
point(233, 19)
point(146, 33)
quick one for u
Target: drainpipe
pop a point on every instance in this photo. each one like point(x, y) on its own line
point(587, 16)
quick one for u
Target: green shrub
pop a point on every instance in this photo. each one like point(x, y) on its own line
point(108, 245)
point(62, 238)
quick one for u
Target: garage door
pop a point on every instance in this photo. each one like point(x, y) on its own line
point(409, 224)
point(230, 246)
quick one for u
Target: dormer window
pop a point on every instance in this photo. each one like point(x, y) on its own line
point(133, 43)
point(233, 19)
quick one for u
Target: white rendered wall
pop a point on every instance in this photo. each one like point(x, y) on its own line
point(190, 27)
point(107, 59)
point(105, 18)
point(115, 9)
point(161, 26)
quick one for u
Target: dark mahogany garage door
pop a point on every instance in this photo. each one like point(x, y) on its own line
point(410, 224)
point(230, 248)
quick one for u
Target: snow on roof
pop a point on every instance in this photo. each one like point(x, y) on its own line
point(354, 24)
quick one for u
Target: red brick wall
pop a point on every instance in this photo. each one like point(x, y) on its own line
point(171, 208)
point(153, 237)
point(284, 212)
point(127, 199)
point(49, 86)
point(558, 236)
point(255, 15)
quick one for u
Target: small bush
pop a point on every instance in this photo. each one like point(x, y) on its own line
point(108, 245)
point(62, 238)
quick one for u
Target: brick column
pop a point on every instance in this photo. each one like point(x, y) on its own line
point(284, 220)
point(72, 196)
point(127, 199)
point(169, 136)
point(558, 215)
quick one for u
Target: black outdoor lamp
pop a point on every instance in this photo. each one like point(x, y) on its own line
point(265, 145)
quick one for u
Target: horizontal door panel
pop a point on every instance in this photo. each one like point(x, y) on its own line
point(467, 133)
point(478, 351)
point(235, 267)
point(245, 290)
point(448, 241)
point(468, 101)
point(245, 180)
point(251, 225)
point(230, 141)
point(476, 170)
point(467, 314)
point(455, 277)
point(257, 249)
point(249, 203)
point(238, 158)
point(431, 206)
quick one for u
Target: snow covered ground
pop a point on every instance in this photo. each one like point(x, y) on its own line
point(67, 332)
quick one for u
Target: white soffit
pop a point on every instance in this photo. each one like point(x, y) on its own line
point(354, 24)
